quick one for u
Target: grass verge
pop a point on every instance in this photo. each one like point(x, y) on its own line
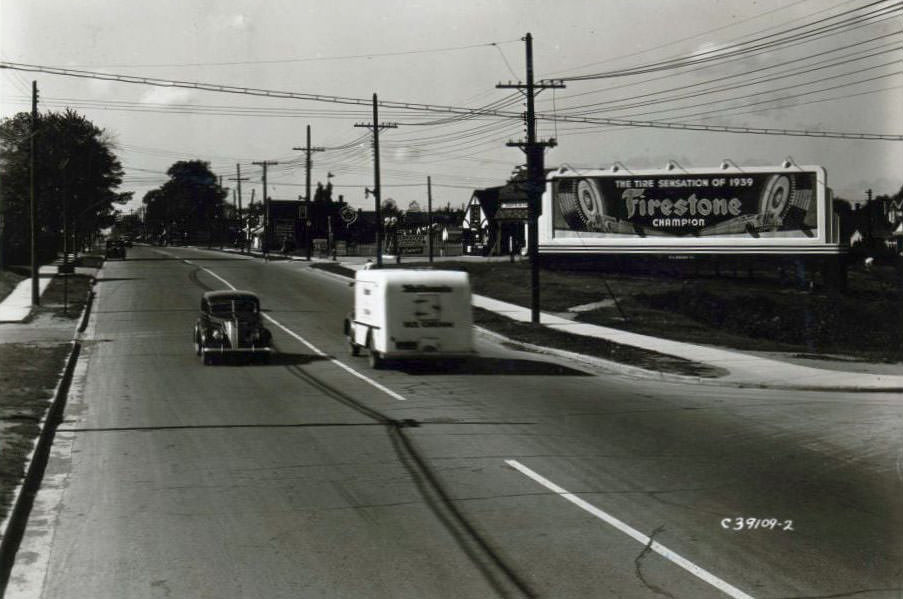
point(28, 377)
point(8, 282)
point(65, 297)
point(591, 346)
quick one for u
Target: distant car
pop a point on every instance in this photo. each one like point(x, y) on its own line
point(229, 324)
point(115, 248)
point(127, 242)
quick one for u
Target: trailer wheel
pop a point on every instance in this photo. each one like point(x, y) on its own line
point(376, 360)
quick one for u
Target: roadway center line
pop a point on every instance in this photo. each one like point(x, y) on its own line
point(646, 541)
point(315, 349)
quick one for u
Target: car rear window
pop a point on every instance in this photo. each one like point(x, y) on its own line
point(228, 307)
point(245, 307)
point(221, 308)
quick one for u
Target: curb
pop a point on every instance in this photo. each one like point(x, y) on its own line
point(17, 519)
point(593, 361)
point(12, 529)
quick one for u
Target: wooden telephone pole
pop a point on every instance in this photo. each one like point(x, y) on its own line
point(535, 171)
point(307, 166)
point(241, 221)
point(266, 207)
point(35, 292)
point(375, 127)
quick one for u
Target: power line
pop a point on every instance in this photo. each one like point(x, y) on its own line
point(695, 114)
point(299, 60)
point(781, 38)
point(687, 71)
point(745, 97)
point(824, 64)
point(708, 32)
point(431, 108)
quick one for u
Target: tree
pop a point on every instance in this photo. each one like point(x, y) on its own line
point(323, 195)
point(76, 175)
point(388, 207)
point(191, 203)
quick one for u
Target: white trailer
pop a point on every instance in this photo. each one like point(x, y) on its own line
point(406, 313)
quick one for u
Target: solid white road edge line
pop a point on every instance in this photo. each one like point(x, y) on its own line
point(633, 533)
point(316, 350)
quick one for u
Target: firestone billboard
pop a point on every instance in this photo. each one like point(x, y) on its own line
point(737, 210)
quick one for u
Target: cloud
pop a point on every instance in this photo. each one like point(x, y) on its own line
point(167, 95)
point(236, 22)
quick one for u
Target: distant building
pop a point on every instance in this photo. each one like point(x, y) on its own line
point(495, 220)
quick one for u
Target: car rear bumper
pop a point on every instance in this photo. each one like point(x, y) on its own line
point(426, 355)
point(236, 350)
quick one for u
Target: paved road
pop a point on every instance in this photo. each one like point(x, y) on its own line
point(512, 475)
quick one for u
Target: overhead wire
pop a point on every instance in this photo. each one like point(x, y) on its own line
point(708, 32)
point(823, 64)
point(742, 48)
point(299, 60)
point(744, 97)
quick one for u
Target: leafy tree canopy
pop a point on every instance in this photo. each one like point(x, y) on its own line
point(191, 201)
point(76, 174)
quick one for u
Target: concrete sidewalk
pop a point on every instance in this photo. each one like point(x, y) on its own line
point(17, 305)
point(744, 369)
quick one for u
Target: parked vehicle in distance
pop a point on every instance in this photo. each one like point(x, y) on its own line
point(115, 248)
point(127, 241)
point(410, 314)
point(230, 324)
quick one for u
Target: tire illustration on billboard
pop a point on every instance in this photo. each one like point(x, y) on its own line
point(775, 199)
point(582, 204)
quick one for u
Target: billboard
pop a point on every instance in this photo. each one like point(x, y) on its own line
point(740, 209)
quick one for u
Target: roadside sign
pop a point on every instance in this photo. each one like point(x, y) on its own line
point(348, 214)
point(411, 244)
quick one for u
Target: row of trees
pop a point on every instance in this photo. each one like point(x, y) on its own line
point(191, 204)
point(76, 177)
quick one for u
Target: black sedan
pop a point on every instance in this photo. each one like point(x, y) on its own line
point(115, 248)
point(230, 324)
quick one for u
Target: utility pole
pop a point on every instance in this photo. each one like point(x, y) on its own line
point(266, 208)
point(241, 222)
point(375, 126)
point(535, 171)
point(868, 217)
point(35, 293)
point(429, 215)
point(307, 165)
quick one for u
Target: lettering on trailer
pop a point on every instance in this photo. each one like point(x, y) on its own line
point(409, 288)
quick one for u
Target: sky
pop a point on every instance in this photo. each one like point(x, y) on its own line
point(848, 78)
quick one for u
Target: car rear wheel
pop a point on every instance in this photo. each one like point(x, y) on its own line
point(376, 360)
point(353, 348)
